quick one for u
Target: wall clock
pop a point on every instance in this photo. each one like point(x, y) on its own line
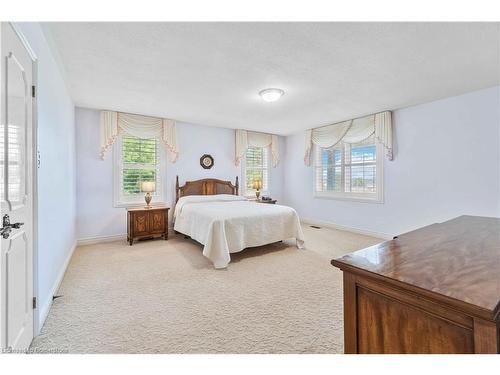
point(207, 161)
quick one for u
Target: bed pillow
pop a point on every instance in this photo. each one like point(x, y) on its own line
point(205, 198)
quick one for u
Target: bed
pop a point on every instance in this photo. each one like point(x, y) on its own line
point(211, 212)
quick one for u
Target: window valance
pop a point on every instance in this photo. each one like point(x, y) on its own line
point(246, 139)
point(352, 131)
point(112, 123)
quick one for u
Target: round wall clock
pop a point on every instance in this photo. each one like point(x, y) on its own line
point(207, 161)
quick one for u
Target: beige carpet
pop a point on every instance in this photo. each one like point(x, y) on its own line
point(165, 297)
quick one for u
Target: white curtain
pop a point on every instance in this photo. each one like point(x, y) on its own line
point(241, 145)
point(109, 130)
point(383, 132)
point(352, 131)
point(138, 126)
point(245, 139)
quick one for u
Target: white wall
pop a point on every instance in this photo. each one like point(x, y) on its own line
point(96, 216)
point(446, 164)
point(56, 175)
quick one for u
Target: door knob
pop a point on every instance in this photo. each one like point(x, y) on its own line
point(7, 226)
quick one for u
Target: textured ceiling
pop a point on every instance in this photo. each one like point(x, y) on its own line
point(211, 73)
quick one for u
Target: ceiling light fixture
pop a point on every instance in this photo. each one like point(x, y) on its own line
point(271, 95)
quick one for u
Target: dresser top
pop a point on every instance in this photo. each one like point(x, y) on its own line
point(459, 259)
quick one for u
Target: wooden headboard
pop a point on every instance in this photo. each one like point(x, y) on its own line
point(206, 186)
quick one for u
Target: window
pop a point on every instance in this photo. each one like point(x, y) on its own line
point(137, 160)
point(16, 188)
point(350, 171)
point(256, 167)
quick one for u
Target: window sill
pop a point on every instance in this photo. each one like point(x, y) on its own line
point(350, 198)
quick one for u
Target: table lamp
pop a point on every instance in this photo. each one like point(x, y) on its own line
point(148, 187)
point(257, 185)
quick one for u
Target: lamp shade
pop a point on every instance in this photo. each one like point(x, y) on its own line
point(148, 186)
point(257, 184)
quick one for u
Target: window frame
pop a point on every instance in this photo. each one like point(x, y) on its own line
point(122, 201)
point(377, 197)
point(250, 193)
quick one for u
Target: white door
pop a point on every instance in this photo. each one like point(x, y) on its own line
point(16, 192)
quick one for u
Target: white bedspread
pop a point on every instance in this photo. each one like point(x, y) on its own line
point(227, 224)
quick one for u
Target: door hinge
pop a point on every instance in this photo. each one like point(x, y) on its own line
point(33, 91)
point(34, 303)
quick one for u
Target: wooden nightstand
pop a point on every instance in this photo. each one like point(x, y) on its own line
point(272, 201)
point(147, 223)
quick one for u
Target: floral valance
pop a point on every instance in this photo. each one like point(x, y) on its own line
point(246, 139)
point(112, 123)
point(352, 131)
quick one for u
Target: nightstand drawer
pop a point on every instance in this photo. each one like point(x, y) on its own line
point(157, 222)
point(140, 223)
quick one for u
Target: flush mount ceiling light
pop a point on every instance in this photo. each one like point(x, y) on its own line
point(271, 95)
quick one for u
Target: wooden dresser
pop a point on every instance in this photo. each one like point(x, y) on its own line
point(433, 290)
point(147, 223)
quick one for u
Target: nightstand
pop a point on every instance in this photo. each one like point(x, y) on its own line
point(272, 201)
point(147, 223)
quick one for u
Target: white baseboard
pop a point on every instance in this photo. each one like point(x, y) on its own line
point(331, 225)
point(114, 237)
point(100, 239)
point(45, 308)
